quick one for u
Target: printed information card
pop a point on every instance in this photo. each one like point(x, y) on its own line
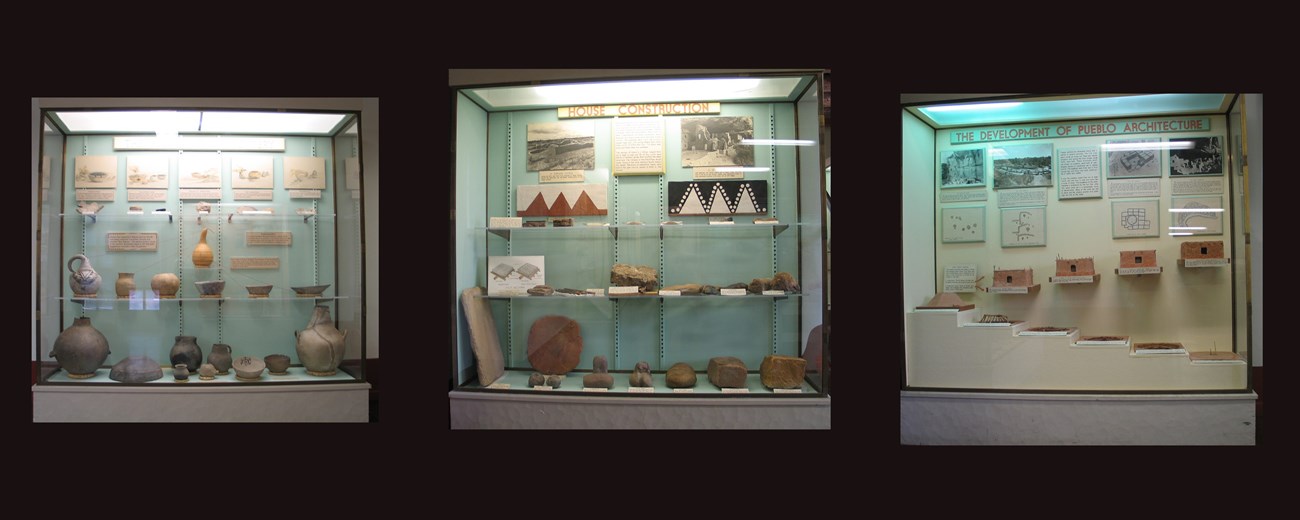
point(1080, 173)
point(959, 278)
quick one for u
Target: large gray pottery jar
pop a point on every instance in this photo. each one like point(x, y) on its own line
point(221, 358)
point(80, 349)
point(135, 369)
point(187, 351)
point(320, 345)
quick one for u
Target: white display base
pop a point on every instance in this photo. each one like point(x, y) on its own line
point(343, 402)
point(1074, 279)
point(1138, 271)
point(989, 418)
point(500, 410)
point(1015, 290)
point(943, 354)
point(1204, 262)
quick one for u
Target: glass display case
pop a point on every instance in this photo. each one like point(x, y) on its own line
point(641, 238)
point(1083, 243)
point(230, 244)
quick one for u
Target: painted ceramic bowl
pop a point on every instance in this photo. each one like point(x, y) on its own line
point(278, 364)
point(310, 290)
point(258, 291)
point(249, 368)
point(210, 289)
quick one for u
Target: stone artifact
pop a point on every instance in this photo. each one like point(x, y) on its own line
point(946, 301)
point(758, 285)
point(709, 290)
point(207, 372)
point(84, 280)
point(641, 276)
point(635, 223)
point(536, 379)
point(737, 285)
point(181, 373)
point(687, 289)
point(782, 371)
point(135, 369)
point(210, 288)
point(554, 344)
point(135, 208)
point(571, 291)
point(562, 222)
point(641, 375)
point(727, 372)
point(186, 350)
point(553, 381)
point(278, 364)
point(220, 358)
point(320, 345)
point(534, 223)
point(483, 336)
point(541, 290)
point(258, 291)
point(125, 284)
point(80, 349)
point(671, 223)
point(599, 377)
point(202, 255)
point(784, 281)
point(680, 375)
point(310, 291)
point(166, 284)
point(249, 368)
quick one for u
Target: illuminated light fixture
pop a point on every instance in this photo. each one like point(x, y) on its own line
point(268, 123)
point(170, 122)
point(741, 169)
point(778, 142)
point(1171, 145)
point(1196, 210)
point(1186, 228)
point(166, 124)
point(1179, 234)
point(975, 106)
point(644, 91)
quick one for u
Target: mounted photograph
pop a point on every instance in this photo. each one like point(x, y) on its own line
point(715, 141)
point(961, 168)
point(570, 145)
point(1196, 156)
point(1022, 166)
point(1132, 158)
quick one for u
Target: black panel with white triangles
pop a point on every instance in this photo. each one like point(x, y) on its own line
point(717, 198)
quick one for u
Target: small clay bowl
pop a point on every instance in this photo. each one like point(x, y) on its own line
point(258, 291)
point(207, 372)
point(248, 368)
point(210, 289)
point(278, 364)
point(310, 290)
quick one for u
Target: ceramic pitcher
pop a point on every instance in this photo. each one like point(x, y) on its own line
point(320, 345)
point(84, 280)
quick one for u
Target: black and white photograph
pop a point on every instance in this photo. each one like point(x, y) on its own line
point(1203, 157)
point(715, 141)
point(570, 145)
point(961, 168)
point(1022, 166)
point(1132, 158)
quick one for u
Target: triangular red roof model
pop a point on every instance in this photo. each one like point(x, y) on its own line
point(585, 206)
point(536, 209)
point(560, 207)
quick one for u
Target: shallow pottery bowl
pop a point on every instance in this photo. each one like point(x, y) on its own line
point(249, 368)
point(210, 289)
point(278, 364)
point(310, 290)
point(258, 291)
point(136, 369)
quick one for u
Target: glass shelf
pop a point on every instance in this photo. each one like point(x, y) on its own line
point(614, 228)
point(117, 217)
point(644, 297)
point(222, 299)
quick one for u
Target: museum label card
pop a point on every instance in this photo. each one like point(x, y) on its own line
point(710, 172)
point(963, 195)
point(1080, 173)
point(541, 387)
point(735, 390)
point(1009, 290)
point(1022, 197)
point(255, 263)
point(97, 195)
point(506, 222)
point(596, 292)
point(304, 194)
point(1205, 262)
point(959, 278)
point(722, 222)
point(254, 194)
point(561, 176)
point(734, 292)
point(146, 195)
point(630, 289)
point(499, 386)
point(1121, 188)
point(134, 211)
point(683, 390)
point(641, 389)
point(773, 293)
point(268, 238)
point(585, 389)
point(200, 193)
point(1138, 270)
point(1195, 185)
point(132, 242)
point(1072, 279)
point(787, 390)
point(669, 293)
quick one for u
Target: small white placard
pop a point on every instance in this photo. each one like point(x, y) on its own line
point(269, 262)
point(773, 293)
point(1195, 185)
point(722, 222)
point(268, 238)
point(146, 195)
point(683, 390)
point(304, 194)
point(963, 195)
point(561, 176)
point(734, 292)
point(585, 389)
point(500, 386)
point(1138, 270)
point(97, 195)
point(1121, 188)
point(787, 390)
point(116, 242)
point(664, 292)
point(1009, 290)
point(959, 278)
point(1205, 262)
point(506, 222)
point(541, 387)
point(1072, 279)
point(596, 292)
point(735, 390)
point(134, 211)
point(200, 193)
point(713, 173)
point(254, 194)
point(631, 289)
point(641, 389)
point(1022, 197)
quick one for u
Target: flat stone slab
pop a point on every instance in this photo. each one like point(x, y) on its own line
point(727, 372)
point(554, 344)
point(782, 371)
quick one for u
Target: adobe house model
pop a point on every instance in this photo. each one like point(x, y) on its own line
point(1208, 249)
point(1074, 267)
point(1013, 277)
point(1132, 259)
